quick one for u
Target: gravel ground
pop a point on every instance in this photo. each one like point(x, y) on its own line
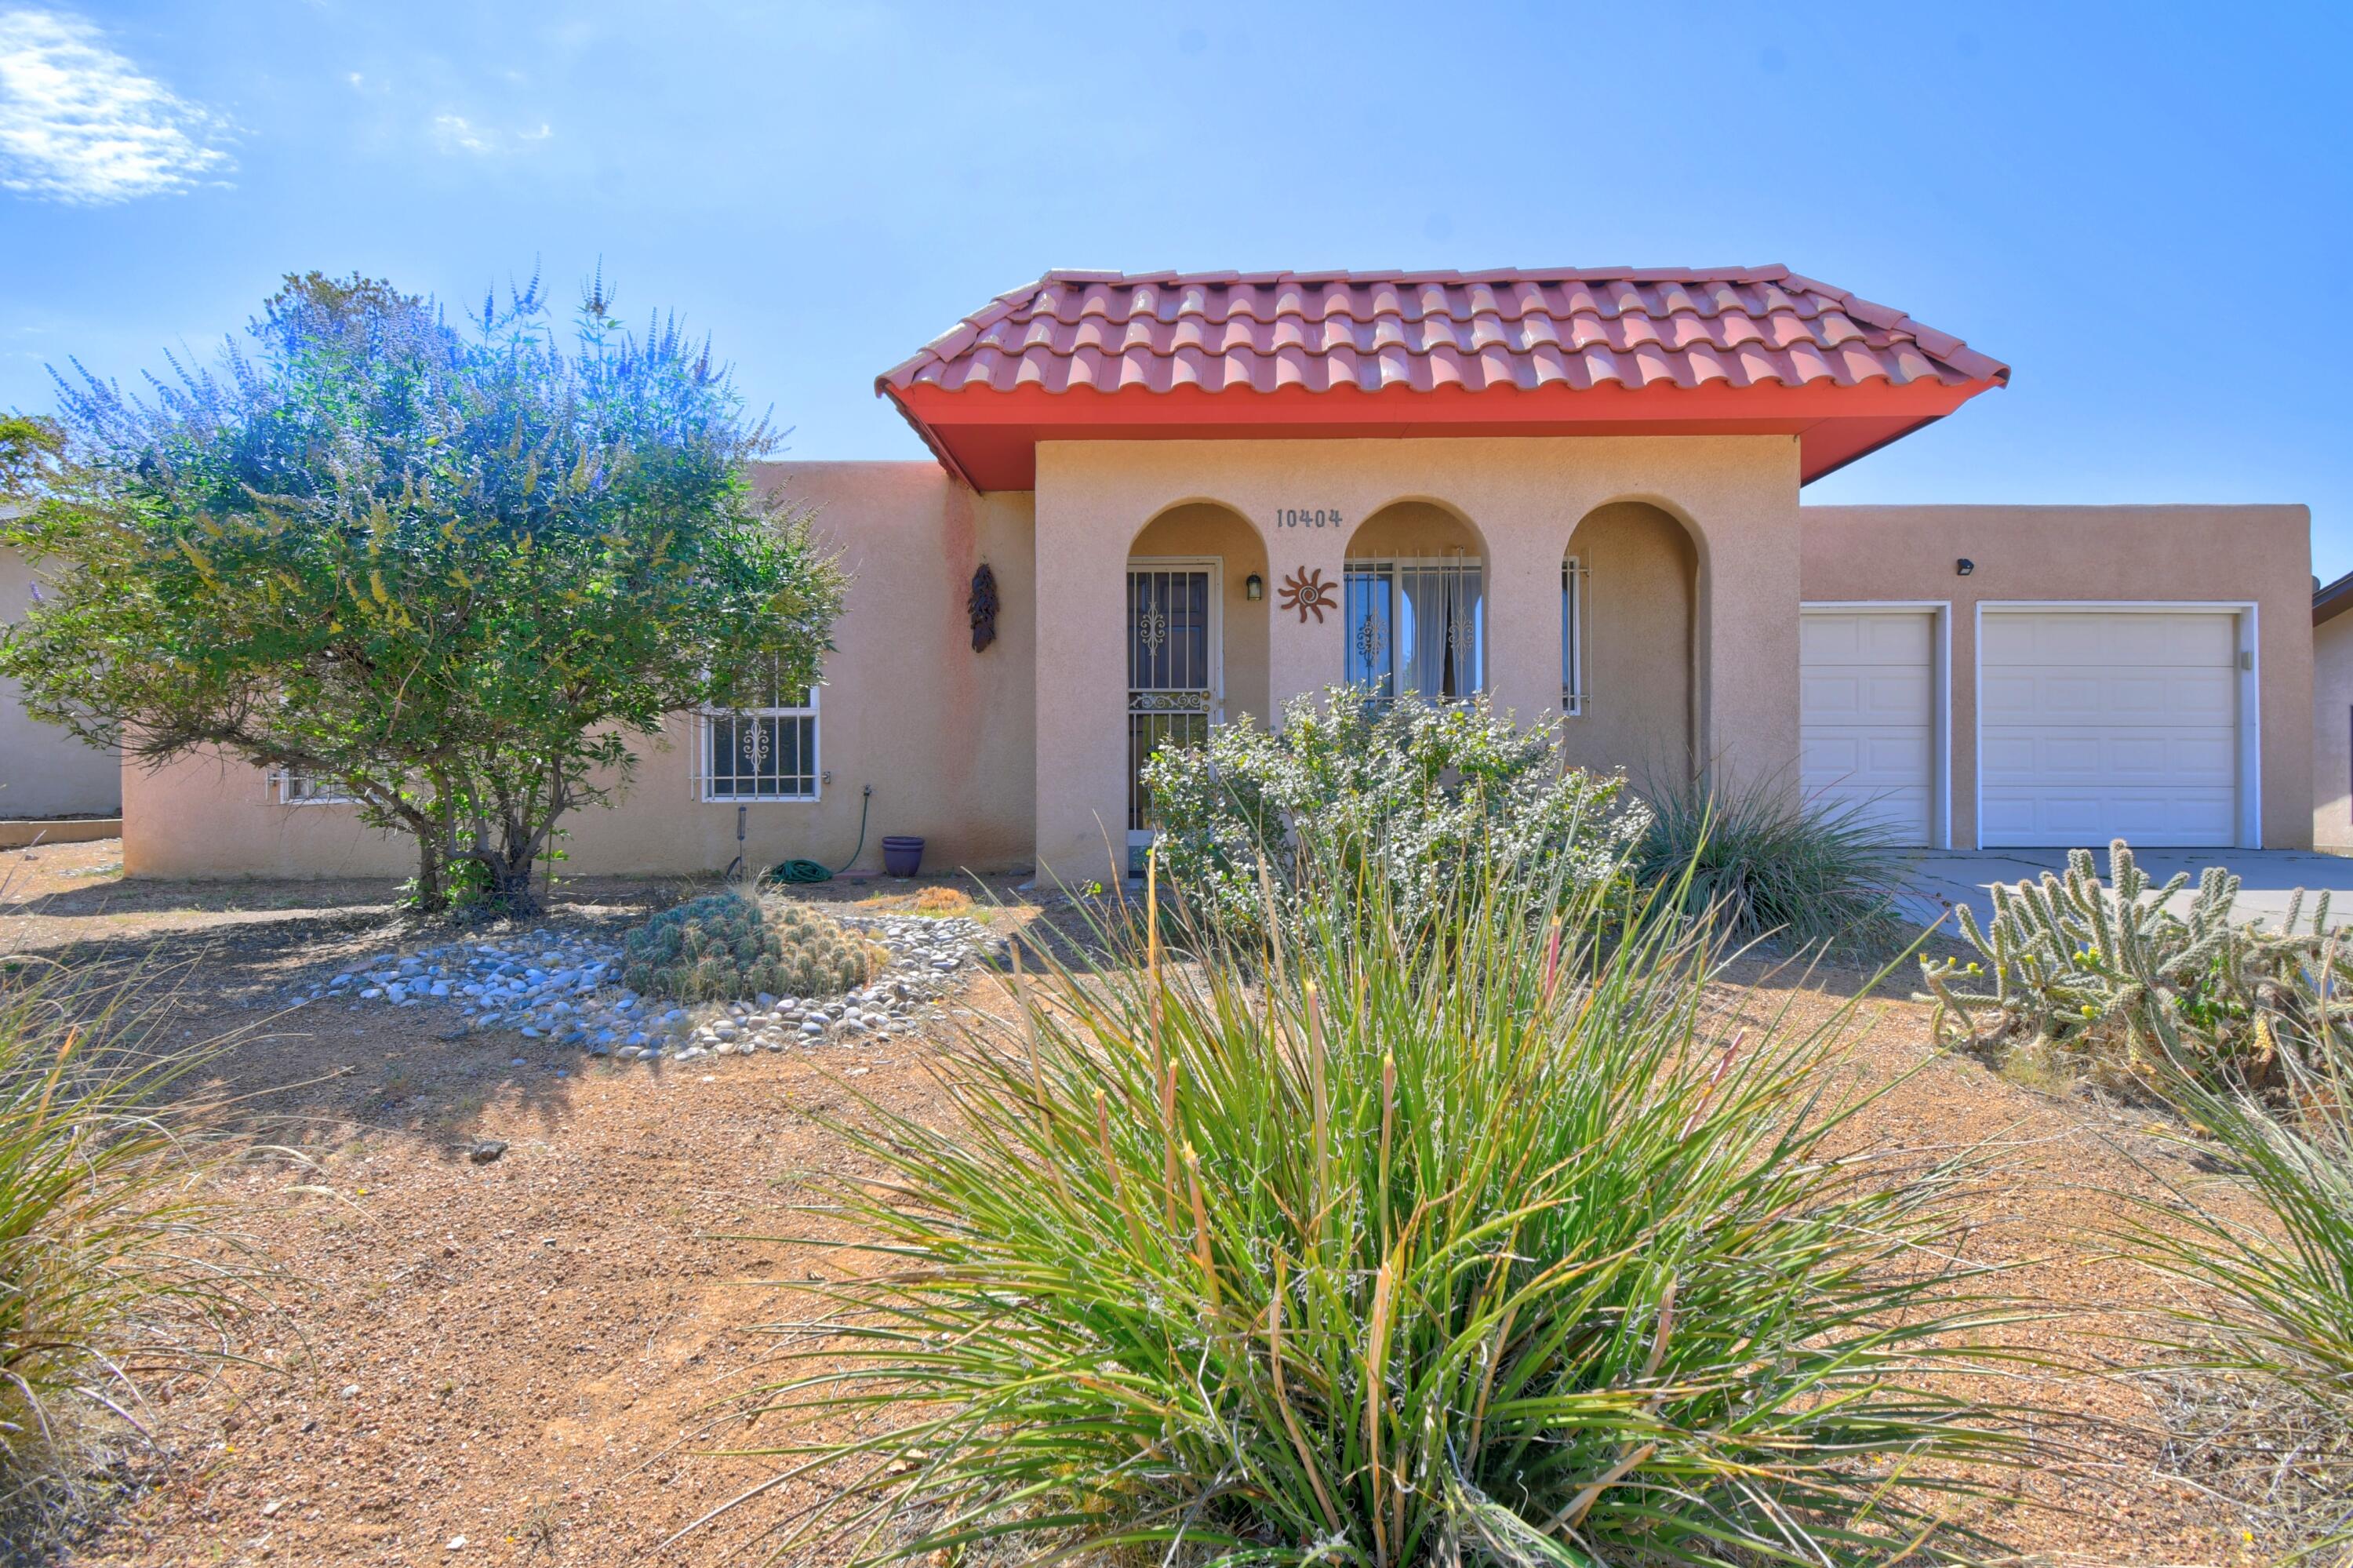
point(527, 1352)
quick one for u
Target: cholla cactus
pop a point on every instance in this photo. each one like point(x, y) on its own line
point(727, 945)
point(2107, 972)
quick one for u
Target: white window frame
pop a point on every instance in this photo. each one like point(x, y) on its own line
point(1574, 666)
point(707, 782)
point(290, 787)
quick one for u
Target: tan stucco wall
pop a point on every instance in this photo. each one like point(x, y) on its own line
point(2332, 733)
point(942, 733)
point(2259, 555)
point(1413, 528)
point(1640, 571)
point(1737, 496)
point(1699, 557)
point(44, 771)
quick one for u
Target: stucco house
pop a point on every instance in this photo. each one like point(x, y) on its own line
point(2332, 716)
point(1579, 490)
point(44, 773)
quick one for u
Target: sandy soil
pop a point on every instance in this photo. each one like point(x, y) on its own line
point(528, 1353)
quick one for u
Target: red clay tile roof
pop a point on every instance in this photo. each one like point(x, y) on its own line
point(1755, 350)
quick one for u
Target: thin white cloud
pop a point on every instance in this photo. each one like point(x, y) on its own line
point(80, 123)
point(455, 133)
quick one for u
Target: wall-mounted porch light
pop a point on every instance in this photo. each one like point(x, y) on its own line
point(1964, 567)
point(1253, 587)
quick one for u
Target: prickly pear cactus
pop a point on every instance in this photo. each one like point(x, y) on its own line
point(2109, 973)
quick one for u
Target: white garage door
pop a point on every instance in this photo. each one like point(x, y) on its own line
point(1867, 714)
point(2095, 724)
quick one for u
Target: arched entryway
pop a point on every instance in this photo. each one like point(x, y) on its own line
point(1628, 597)
point(1416, 603)
point(1197, 636)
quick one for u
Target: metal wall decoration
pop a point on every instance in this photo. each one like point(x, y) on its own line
point(982, 606)
point(1305, 589)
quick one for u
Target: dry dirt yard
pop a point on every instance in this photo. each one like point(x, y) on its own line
point(527, 1361)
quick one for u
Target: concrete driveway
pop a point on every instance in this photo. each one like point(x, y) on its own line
point(2267, 878)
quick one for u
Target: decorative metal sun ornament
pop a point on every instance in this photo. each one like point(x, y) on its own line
point(1305, 589)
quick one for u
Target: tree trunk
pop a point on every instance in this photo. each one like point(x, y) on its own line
point(432, 874)
point(512, 886)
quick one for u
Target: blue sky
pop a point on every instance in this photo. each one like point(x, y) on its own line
point(2144, 209)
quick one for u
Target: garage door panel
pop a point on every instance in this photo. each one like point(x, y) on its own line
point(1866, 699)
point(2191, 638)
point(1903, 812)
point(2090, 818)
point(2188, 759)
point(1856, 639)
point(2097, 725)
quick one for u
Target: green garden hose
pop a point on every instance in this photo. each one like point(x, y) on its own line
point(801, 873)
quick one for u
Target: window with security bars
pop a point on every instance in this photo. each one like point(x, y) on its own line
point(1572, 637)
point(764, 748)
point(1416, 625)
point(296, 788)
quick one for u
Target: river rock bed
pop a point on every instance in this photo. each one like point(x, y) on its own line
point(565, 988)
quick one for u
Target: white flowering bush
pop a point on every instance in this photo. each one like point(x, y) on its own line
point(1429, 797)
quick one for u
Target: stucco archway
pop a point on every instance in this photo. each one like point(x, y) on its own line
point(1415, 602)
point(1632, 688)
point(1210, 531)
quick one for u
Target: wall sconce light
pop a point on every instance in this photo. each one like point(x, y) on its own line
point(1964, 567)
point(1253, 587)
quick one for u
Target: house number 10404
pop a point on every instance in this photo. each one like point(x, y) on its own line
point(1306, 517)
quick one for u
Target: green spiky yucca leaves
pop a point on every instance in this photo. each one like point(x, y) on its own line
point(2278, 1298)
point(1767, 863)
point(1504, 1248)
point(2118, 976)
point(112, 1264)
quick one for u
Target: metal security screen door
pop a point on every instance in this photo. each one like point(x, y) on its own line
point(1174, 678)
point(1417, 626)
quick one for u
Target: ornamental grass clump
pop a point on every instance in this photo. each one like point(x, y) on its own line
point(724, 947)
point(112, 1268)
point(1427, 795)
point(1507, 1248)
point(1770, 865)
point(2272, 1325)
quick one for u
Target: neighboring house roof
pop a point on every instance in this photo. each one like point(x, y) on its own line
point(1755, 350)
point(2329, 603)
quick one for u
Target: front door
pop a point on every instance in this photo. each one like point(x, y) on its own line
point(1174, 685)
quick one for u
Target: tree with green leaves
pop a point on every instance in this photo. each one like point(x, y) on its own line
point(452, 574)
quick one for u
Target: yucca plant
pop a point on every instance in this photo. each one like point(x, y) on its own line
point(2275, 1299)
point(1390, 1251)
point(109, 1271)
point(1770, 865)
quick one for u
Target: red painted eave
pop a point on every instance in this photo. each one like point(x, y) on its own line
point(988, 438)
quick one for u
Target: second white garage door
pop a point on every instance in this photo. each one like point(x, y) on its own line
point(1867, 715)
point(2102, 723)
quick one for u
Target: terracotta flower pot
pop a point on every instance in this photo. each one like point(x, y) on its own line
point(901, 855)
